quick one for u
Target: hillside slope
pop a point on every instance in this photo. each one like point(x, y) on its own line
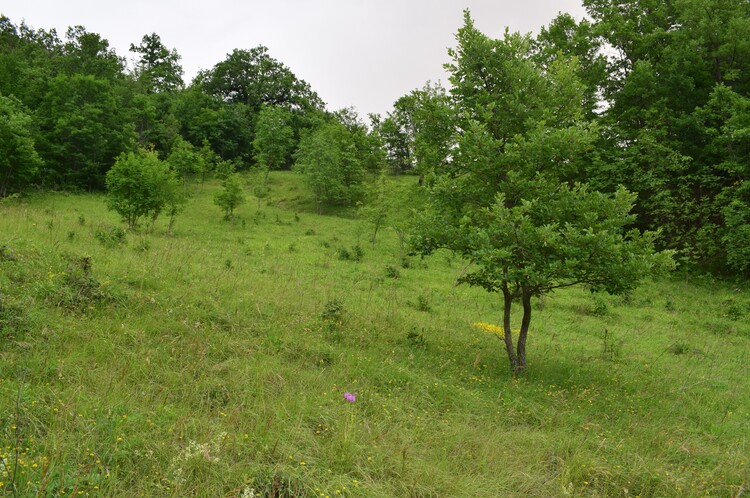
point(214, 362)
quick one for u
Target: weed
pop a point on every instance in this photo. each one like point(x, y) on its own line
point(611, 348)
point(669, 304)
point(422, 303)
point(344, 254)
point(355, 254)
point(392, 272)
point(81, 220)
point(732, 310)
point(310, 231)
point(143, 245)
point(292, 247)
point(78, 291)
point(679, 348)
point(7, 254)
point(71, 235)
point(416, 339)
point(599, 307)
point(111, 236)
point(333, 311)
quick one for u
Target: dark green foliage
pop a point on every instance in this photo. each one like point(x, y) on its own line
point(158, 69)
point(417, 135)
point(19, 161)
point(254, 78)
point(422, 303)
point(677, 119)
point(356, 253)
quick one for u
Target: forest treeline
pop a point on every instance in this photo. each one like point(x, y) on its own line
point(664, 92)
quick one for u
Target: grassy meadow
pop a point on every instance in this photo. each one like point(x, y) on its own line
point(213, 362)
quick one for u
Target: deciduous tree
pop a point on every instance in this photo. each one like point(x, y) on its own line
point(140, 185)
point(507, 201)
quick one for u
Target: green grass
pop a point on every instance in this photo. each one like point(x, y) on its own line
point(213, 362)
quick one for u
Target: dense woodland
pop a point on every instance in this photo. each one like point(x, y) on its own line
point(660, 95)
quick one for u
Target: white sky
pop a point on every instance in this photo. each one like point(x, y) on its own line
point(359, 53)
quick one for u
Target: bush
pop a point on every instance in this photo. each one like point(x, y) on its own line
point(140, 185)
point(231, 197)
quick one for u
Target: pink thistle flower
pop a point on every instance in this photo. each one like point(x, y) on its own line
point(350, 397)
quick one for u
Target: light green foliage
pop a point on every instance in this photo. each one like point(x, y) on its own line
point(367, 144)
point(418, 134)
point(140, 185)
point(328, 159)
point(274, 137)
point(575, 39)
point(231, 196)
point(378, 204)
point(184, 159)
point(19, 162)
point(506, 201)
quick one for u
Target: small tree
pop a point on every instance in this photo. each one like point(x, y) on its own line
point(139, 185)
point(507, 199)
point(184, 159)
point(328, 158)
point(274, 139)
point(566, 235)
point(207, 160)
point(231, 196)
point(376, 209)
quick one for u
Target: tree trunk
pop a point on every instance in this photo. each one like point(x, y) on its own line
point(525, 321)
point(507, 335)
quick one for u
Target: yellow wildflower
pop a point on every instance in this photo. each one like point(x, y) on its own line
point(493, 329)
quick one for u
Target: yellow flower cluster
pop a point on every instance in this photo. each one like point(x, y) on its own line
point(493, 329)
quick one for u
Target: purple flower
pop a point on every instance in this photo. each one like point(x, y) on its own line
point(351, 398)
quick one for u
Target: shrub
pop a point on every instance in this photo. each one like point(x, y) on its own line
point(231, 196)
point(140, 185)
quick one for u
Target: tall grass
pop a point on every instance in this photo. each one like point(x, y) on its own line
point(213, 362)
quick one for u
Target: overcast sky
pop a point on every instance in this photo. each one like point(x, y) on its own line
point(359, 53)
